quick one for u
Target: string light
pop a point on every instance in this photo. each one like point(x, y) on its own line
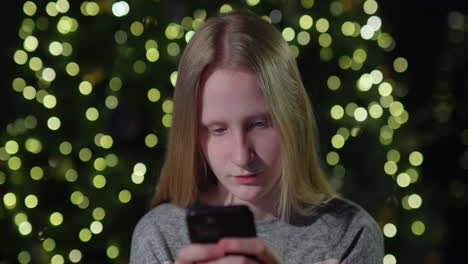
point(51, 60)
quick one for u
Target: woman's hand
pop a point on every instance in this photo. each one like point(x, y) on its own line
point(221, 252)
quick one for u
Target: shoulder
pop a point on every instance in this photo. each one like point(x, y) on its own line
point(355, 231)
point(159, 217)
point(158, 234)
point(340, 212)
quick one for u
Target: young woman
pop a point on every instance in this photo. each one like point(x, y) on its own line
point(244, 133)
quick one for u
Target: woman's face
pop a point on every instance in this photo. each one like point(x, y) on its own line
point(237, 136)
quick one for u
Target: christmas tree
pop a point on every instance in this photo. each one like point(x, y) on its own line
point(91, 105)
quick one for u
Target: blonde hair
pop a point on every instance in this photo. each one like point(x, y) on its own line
point(242, 39)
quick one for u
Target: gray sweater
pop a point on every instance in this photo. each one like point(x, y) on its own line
point(339, 232)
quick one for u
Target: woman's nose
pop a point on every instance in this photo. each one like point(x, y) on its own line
point(241, 150)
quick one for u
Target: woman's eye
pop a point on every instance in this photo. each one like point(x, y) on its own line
point(218, 131)
point(259, 124)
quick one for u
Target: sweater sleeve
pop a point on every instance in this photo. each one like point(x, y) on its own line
point(367, 245)
point(148, 244)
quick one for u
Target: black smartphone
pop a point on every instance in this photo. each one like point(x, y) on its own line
point(209, 224)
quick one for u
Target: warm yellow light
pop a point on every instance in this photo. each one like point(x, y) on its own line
point(20, 57)
point(414, 201)
point(306, 22)
point(92, 8)
point(168, 106)
point(173, 78)
point(71, 175)
point(359, 55)
point(252, 2)
point(92, 114)
point(303, 38)
point(112, 252)
point(370, 7)
point(167, 120)
point(53, 123)
point(72, 69)
point(31, 201)
point(29, 92)
point(29, 8)
point(56, 218)
point(111, 102)
point(396, 108)
point(416, 158)
point(14, 163)
point(35, 63)
point(389, 230)
point(288, 34)
point(337, 112)
point(333, 158)
point(322, 25)
point(30, 43)
point(18, 84)
point(106, 141)
point(403, 180)
point(48, 244)
point(152, 54)
point(390, 167)
point(137, 179)
point(360, 114)
point(137, 28)
point(9, 199)
point(225, 8)
point(55, 48)
point(99, 213)
point(375, 110)
point(307, 3)
point(33, 145)
point(365, 82)
point(100, 164)
point(389, 259)
point(65, 148)
point(347, 28)
point(85, 154)
point(36, 173)
point(76, 197)
point(112, 160)
point(333, 82)
point(125, 196)
point(96, 227)
point(151, 140)
point(385, 40)
point(85, 235)
point(418, 228)
point(325, 40)
point(115, 84)
point(75, 255)
point(25, 228)
point(99, 181)
point(24, 257)
point(400, 64)
point(49, 101)
point(367, 32)
point(337, 141)
point(11, 147)
point(154, 95)
point(85, 88)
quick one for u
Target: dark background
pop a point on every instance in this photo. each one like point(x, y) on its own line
point(421, 32)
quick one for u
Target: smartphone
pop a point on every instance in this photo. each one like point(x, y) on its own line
point(209, 224)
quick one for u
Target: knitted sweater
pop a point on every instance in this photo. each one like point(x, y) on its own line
point(338, 232)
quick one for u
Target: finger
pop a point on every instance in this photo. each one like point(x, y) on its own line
point(233, 259)
point(249, 246)
point(199, 253)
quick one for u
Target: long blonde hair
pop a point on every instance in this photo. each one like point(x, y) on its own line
point(240, 38)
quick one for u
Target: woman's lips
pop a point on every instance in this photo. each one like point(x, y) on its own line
point(248, 178)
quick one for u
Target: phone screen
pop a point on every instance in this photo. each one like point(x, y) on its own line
point(209, 224)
